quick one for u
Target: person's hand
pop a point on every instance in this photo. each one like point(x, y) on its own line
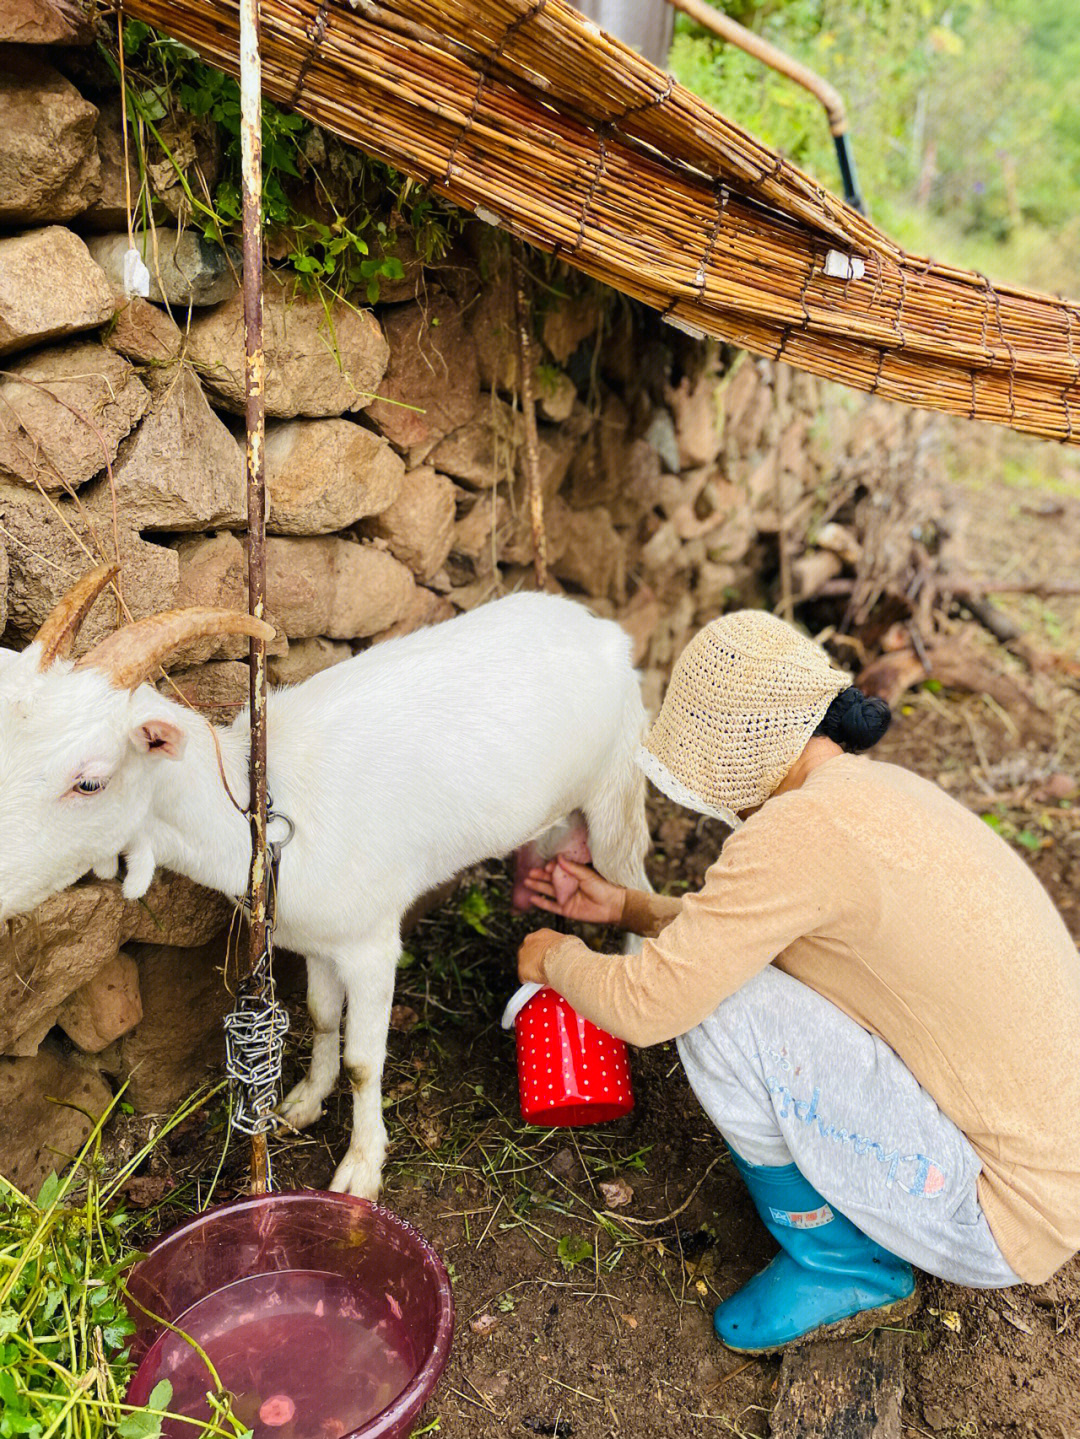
point(594, 900)
point(531, 955)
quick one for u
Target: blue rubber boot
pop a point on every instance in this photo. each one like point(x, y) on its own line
point(827, 1271)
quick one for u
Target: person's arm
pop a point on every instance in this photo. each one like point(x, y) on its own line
point(596, 900)
point(769, 887)
point(646, 913)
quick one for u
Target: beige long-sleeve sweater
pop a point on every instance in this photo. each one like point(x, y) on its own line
point(878, 890)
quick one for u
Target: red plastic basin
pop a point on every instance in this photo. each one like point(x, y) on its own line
point(324, 1315)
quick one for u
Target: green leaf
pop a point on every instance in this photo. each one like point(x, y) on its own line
point(140, 1425)
point(48, 1191)
point(475, 909)
point(573, 1250)
point(1029, 839)
point(160, 1395)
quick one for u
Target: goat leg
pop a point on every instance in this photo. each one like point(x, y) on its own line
point(303, 1104)
point(369, 972)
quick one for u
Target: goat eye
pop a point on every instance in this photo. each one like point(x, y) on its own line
point(89, 786)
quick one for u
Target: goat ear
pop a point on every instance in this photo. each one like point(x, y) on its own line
point(160, 737)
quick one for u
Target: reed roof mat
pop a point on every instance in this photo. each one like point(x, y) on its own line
point(527, 114)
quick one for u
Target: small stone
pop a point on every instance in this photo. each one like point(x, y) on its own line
point(594, 558)
point(841, 541)
point(432, 383)
point(492, 322)
point(181, 469)
point(50, 545)
point(812, 570)
point(316, 363)
point(180, 1040)
point(418, 525)
point(49, 166)
point(306, 658)
point(425, 608)
point(333, 587)
point(144, 333)
point(640, 618)
point(175, 911)
point(556, 394)
point(46, 955)
point(694, 408)
point(104, 1008)
point(66, 422)
point(484, 451)
point(661, 436)
point(185, 268)
point(617, 1193)
point(109, 210)
point(49, 286)
point(46, 22)
point(48, 1105)
point(213, 572)
point(323, 475)
point(568, 323)
point(1061, 786)
point(218, 690)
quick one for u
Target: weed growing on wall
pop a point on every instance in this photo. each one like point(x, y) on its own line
point(331, 215)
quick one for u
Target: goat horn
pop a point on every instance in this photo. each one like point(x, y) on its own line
point(132, 654)
point(57, 635)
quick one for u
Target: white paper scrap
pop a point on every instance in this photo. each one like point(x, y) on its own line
point(136, 276)
point(844, 267)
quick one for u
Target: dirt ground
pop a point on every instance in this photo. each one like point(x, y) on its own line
point(584, 1310)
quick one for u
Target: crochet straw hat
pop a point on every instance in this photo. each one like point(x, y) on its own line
point(745, 695)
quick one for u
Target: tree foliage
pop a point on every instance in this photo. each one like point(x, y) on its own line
point(963, 115)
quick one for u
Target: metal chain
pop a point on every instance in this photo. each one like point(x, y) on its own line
point(255, 1030)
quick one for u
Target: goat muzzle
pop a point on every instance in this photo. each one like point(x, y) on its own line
point(57, 635)
point(133, 653)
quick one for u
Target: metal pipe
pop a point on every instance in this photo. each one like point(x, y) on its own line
point(827, 95)
point(255, 424)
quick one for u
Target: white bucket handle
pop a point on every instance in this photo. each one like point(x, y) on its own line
point(518, 1000)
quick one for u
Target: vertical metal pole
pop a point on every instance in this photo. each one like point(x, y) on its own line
point(255, 418)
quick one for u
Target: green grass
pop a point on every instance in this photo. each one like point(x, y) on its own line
point(65, 1331)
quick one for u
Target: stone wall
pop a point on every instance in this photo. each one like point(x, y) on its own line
point(396, 499)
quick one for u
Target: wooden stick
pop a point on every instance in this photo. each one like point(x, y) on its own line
point(528, 409)
point(255, 424)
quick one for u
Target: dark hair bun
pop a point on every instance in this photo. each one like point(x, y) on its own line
point(855, 721)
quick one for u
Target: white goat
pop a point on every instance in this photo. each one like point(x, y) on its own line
point(399, 768)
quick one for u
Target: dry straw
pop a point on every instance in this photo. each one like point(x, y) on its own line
point(525, 113)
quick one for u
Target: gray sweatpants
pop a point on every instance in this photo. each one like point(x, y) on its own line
point(787, 1077)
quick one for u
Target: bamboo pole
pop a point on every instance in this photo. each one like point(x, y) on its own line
point(255, 424)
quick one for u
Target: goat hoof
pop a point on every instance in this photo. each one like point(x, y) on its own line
point(356, 1176)
point(300, 1108)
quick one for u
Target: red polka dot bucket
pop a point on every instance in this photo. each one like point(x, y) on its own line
point(569, 1071)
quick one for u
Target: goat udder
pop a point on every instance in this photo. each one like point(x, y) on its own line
point(571, 843)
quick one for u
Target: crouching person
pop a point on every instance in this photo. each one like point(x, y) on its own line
point(876, 1002)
